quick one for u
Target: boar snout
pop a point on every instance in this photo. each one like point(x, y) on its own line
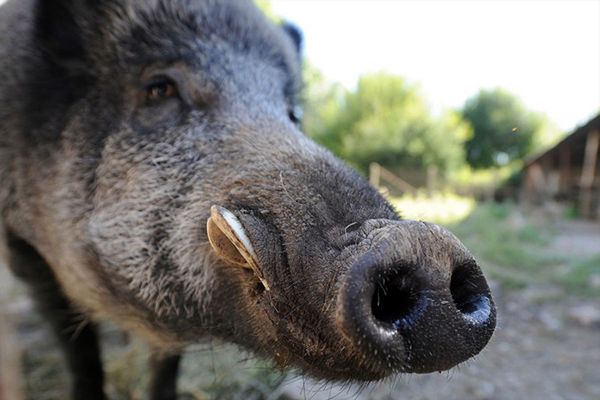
point(415, 301)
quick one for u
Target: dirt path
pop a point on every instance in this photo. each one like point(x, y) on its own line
point(578, 237)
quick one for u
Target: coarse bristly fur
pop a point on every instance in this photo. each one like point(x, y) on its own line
point(105, 193)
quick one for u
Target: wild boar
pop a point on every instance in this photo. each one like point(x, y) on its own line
point(153, 172)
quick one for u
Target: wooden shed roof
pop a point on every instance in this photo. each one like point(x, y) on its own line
point(578, 137)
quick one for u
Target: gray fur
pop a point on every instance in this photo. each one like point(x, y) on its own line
point(114, 193)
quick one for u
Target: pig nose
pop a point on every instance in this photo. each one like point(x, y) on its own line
point(415, 317)
point(399, 297)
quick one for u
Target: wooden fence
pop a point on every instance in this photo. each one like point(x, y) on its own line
point(381, 177)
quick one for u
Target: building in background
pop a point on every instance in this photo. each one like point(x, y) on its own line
point(568, 172)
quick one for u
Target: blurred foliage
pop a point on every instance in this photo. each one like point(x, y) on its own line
point(572, 211)
point(322, 100)
point(266, 7)
point(503, 130)
point(477, 181)
point(385, 119)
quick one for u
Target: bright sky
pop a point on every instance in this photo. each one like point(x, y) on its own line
point(545, 52)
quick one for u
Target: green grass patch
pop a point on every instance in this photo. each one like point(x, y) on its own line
point(583, 276)
point(519, 252)
point(441, 208)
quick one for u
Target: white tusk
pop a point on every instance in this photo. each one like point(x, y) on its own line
point(226, 234)
point(236, 227)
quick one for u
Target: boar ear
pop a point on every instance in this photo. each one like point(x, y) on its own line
point(294, 33)
point(57, 30)
point(230, 242)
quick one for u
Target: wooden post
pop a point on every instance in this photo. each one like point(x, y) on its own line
point(565, 169)
point(588, 173)
point(538, 182)
point(374, 174)
point(395, 180)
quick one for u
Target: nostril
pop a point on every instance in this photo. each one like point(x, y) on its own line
point(396, 300)
point(469, 292)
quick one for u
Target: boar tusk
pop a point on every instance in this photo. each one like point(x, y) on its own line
point(230, 242)
point(223, 246)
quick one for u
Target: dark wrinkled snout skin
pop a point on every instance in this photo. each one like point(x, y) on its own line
point(123, 122)
point(398, 296)
point(415, 301)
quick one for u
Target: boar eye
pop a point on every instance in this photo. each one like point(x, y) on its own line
point(160, 89)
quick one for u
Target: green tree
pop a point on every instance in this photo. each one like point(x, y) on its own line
point(384, 120)
point(503, 130)
point(322, 108)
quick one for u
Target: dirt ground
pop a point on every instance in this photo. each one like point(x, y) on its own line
point(547, 346)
